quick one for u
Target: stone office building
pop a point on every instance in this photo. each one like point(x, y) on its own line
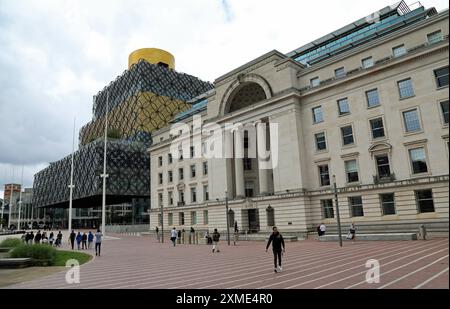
point(366, 105)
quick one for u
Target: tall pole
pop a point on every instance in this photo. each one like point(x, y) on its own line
point(11, 201)
point(228, 219)
point(20, 200)
point(71, 186)
point(104, 175)
point(337, 211)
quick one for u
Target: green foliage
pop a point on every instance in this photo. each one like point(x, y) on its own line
point(63, 256)
point(42, 255)
point(11, 242)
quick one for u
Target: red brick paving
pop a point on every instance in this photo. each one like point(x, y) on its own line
point(141, 262)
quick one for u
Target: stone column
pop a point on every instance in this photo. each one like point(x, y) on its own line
point(239, 163)
point(263, 174)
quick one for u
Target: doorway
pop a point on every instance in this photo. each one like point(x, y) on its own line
point(253, 220)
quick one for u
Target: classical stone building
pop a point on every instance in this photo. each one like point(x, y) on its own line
point(366, 105)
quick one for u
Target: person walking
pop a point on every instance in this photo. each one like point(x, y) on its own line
point(84, 241)
point(192, 236)
point(51, 239)
point(72, 237)
point(157, 233)
point(58, 239)
point(79, 238)
point(98, 242)
point(322, 229)
point(173, 236)
point(90, 238)
point(236, 233)
point(277, 247)
point(215, 238)
point(352, 232)
point(37, 238)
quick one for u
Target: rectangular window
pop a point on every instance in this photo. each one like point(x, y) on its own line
point(159, 219)
point(180, 154)
point(192, 151)
point(180, 173)
point(418, 160)
point(351, 169)
point(405, 88)
point(435, 37)
point(160, 178)
point(205, 193)
point(321, 143)
point(247, 164)
point(169, 158)
point(249, 188)
point(441, 76)
point(170, 176)
point(383, 168)
point(340, 72)
point(356, 206)
point(367, 62)
point(181, 218)
point(193, 217)
point(317, 114)
point(444, 109)
point(181, 197)
point(315, 82)
point(193, 195)
point(324, 175)
point(205, 217)
point(347, 135)
point(170, 218)
point(424, 200)
point(376, 125)
point(373, 98)
point(411, 121)
point(327, 208)
point(387, 204)
point(170, 197)
point(160, 199)
point(343, 107)
point(159, 161)
point(205, 168)
point(192, 171)
point(398, 51)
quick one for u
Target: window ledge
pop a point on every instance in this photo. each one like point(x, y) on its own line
point(418, 175)
point(318, 122)
point(353, 184)
point(321, 151)
point(443, 87)
point(343, 115)
point(375, 106)
point(413, 133)
point(405, 98)
point(348, 146)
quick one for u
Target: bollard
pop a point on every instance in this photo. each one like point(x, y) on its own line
point(196, 238)
point(190, 238)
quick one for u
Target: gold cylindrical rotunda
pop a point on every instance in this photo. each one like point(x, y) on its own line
point(152, 55)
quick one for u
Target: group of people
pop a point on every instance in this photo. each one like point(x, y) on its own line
point(86, 240)
point(51, 240)
point(321, 229)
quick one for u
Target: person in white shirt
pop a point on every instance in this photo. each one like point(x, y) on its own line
point(173, 236)
point(322, 228)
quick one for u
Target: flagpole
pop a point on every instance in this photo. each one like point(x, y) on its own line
point(71, 186)
point(20, 200)
point(104, 175)
point(11, 201)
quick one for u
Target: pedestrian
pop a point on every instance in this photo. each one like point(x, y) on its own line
point(179, 236)
point(72, 238)
point(322, 229)
point(157, 233)
point(173, 236)
point(352, 232)
point(51, 239)
point(84, 241)
point(58, 239)
point(192, 236)
point(79, 238)
point(98, 242)
point(277, 247)
point(24, 237)
point(90, 239)
point(236, 233)
point(37, 238)
point(318, 230)
point(30, 240)
point(215, 239)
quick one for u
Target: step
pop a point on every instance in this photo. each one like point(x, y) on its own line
point(386, 236)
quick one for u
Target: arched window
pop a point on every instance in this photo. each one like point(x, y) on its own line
point(245, 95)
point(270, 212)
point(230, 218)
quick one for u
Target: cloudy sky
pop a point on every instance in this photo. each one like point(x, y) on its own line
point(56, 54)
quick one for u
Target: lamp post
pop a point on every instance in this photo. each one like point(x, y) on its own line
point(20, 200)
point(162, 222)
point(71, 186)
point(11, 202)
point(1, 220)
point(337, 211)
point(104, 175)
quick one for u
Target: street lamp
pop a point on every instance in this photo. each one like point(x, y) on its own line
point(337, 211)
point(104, 175)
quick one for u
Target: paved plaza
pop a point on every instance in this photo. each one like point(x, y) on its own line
point(142, 263)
